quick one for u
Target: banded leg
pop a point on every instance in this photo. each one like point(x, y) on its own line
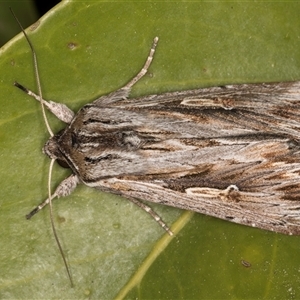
point(152, 213)
point(145, 68)
point(65, 188)
point(61, 111)
point(123, 92)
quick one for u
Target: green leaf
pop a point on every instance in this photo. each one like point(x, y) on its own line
point(87, 49)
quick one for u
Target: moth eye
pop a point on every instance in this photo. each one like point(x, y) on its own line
point(63, 163)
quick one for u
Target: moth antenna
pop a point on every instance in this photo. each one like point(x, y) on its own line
point(52, 223)
point(36, 72)
point(40, 96)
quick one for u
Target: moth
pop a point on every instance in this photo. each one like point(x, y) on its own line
point(230, 152)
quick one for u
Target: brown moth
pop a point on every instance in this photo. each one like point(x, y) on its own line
point(231, 152)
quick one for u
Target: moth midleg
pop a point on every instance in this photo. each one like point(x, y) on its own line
point(152, 213)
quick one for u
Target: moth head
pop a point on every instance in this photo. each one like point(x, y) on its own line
point(51, 149)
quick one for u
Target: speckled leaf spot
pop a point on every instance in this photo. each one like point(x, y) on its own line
point(231, 152)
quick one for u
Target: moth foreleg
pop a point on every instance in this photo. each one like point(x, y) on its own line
point(65, 188)
point(152, 213)
point(123, 92)
point(145, 68)
point(61, 111)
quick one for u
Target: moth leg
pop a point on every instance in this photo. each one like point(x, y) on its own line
point(61, 111)
point(123, 92)
point(152, 213)
point(65, 188)
point(145, 68)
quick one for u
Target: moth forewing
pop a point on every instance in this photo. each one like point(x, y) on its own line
point(239, 162)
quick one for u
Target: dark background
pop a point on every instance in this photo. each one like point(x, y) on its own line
point(42, 6)
point(27, 12)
